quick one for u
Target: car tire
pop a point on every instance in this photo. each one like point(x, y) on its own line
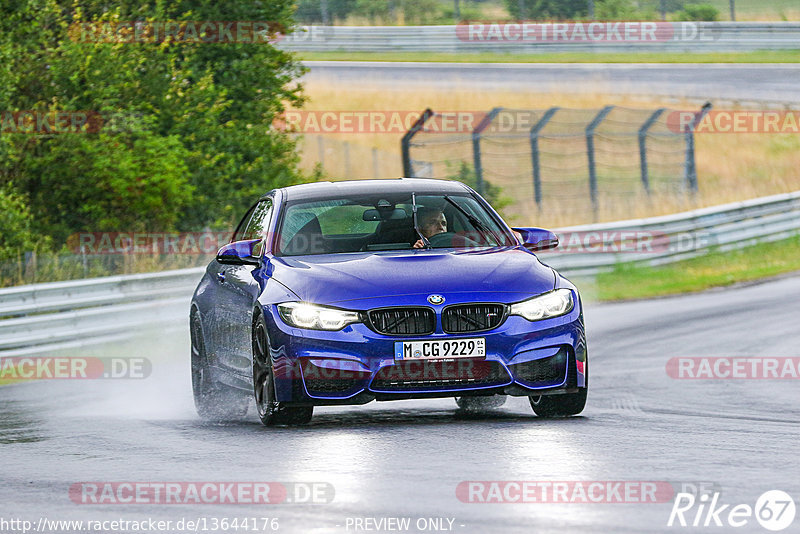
point(270, 411)
point(479, 404)
point(559, 405)
point(212, 400)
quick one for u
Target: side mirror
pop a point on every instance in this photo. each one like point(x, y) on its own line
point(240, 253)
point(537, 238)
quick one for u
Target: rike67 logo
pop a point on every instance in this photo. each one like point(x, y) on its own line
point(774, 510)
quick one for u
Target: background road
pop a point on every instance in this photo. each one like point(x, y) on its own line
point(406, 458)
point(758, 82)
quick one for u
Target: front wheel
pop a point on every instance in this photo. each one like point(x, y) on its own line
point(559, 405)
point(212, 400)
point(270, 411)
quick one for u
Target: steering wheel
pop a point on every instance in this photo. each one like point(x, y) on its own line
point(445, 240)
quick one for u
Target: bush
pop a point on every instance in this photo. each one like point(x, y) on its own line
point(17, 236)
point(698, 12)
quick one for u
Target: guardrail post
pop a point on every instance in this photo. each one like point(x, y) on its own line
point(534, 135)
point(643, 146)
point(690, 169)
point(590, 153)
point(405, 142)
point(476, 147)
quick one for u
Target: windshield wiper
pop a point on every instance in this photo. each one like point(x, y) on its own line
point(416, 225)
point(474, 220)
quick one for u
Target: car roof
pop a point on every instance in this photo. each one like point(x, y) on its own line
point(358, 187)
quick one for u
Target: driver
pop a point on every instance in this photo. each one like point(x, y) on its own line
point(431, 222)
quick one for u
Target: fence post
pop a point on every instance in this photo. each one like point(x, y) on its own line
point(643, 146)
point(476, 147)
point(590, 153)
point(534, 135)
point(689, 168)
point(405, 142)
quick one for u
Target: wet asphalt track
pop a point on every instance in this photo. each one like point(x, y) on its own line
point(757, 82)
point(405, 459)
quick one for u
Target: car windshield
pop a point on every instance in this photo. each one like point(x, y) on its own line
point(387, 222)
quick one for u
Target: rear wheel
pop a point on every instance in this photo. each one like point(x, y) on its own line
point(212, 400)
point(270, 411)
point(559, 405)
point(478, 404)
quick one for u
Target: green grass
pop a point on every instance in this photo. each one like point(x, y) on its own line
point(715, 269)
point(764, 56)
point(755, 9)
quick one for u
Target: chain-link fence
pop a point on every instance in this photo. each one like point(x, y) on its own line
point(591, 160)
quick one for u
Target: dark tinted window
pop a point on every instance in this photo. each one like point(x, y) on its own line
point(385, 222)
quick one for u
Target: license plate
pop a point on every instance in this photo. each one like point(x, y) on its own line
point(437, 349)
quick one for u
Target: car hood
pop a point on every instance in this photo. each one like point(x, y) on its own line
point(494, 275)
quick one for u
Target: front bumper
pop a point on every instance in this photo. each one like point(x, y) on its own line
point(356, 365)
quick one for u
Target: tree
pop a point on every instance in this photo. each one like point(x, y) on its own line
point(196, 144)
point(17, 236)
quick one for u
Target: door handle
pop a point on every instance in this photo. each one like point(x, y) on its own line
point(221, 276)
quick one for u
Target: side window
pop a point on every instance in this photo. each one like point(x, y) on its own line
point(237, 235)
point(259, 222)
point(255, 222)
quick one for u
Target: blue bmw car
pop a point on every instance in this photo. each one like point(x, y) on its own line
point(349, 292)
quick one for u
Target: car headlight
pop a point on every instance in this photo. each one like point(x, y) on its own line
point(304, 315)
point(546, 306)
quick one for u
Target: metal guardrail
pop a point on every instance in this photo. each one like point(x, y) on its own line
point(42, 318)
point(670, 238)
point(708, 37)
point(59, 315)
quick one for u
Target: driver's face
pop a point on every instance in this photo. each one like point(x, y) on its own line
point(434, 225)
